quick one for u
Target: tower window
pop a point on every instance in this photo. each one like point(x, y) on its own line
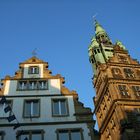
point(95, 51)
point(122, 59)
point(129, 73)
point(98, 50)
point(33, 70)
point(123, 90)
point(31, 108)
point(92, 60)
point(136, 90)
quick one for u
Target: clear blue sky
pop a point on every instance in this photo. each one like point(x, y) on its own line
point(61, 31)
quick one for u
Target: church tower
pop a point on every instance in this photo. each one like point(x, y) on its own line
point(116, 80)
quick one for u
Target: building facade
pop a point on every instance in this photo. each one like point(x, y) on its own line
point(117, 83)
point(35, 105)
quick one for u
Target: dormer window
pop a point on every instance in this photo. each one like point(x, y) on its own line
point(33, 70)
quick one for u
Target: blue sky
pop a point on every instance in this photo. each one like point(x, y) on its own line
point(61, 30)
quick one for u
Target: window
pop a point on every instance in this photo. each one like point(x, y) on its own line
point(33, 70)
point(98, 50)
point(123, 90)
point(95, 51)
point(43, 85)
point(2, 107)
point(2, 135)
point(60, 107)
point(123, 59)
point(31, 108)
point(129, 73)
point(33, 85)
point(31, 135)
point(107, 50)
point(22, 85)
point(136, 90)
point(70, 134)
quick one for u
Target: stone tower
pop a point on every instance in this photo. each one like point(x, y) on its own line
point(116, 80)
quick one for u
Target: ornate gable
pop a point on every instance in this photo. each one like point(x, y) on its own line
point(33, 60)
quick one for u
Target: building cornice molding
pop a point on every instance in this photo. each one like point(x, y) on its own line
point(48, 123)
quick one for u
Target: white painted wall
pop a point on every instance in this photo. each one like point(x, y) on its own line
point(50, 130)
point(45, 109)
point(11, 88)
point(26, 75)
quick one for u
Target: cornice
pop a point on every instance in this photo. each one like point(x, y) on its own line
point(47, 123)
point(33, 60)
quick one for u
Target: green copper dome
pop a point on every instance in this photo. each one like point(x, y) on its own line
point(98, 28)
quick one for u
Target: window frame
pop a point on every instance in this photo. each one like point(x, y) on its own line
point(136, 91)
point(31, 100)
point(33, 70)
point(46, 87)
point(30, 133)
point(2, 133)
point(69, 131)
point(123, 90)
point(66, 105)
point(18, 85)
point(129, 73)
point(32, 86)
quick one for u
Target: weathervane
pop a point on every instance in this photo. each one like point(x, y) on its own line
point(94, 17)
point(34, 53)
